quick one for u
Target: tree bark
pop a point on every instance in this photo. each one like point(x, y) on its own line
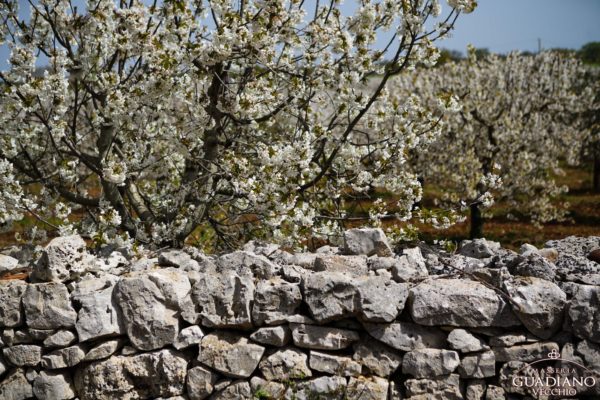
point(476, 222)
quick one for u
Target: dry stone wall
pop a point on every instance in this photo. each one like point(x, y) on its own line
point(363, 321)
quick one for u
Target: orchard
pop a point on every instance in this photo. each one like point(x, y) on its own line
point(520, 118)
point(218, 122)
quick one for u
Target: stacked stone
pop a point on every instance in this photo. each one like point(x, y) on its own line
point(358, 322)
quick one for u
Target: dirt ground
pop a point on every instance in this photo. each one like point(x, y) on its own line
point(583, 219)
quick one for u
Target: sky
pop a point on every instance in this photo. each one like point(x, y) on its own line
point(505, 25)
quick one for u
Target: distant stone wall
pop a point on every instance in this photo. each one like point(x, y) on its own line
point(360, 322)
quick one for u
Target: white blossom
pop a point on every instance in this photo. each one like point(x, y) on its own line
point(253, 118)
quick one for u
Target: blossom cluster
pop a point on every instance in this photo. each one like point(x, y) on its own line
point(511, 123)
point(251, 118)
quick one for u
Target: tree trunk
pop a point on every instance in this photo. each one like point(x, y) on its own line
point(476, 222)
point(596, 171)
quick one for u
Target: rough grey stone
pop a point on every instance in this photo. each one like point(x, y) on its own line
point(62, 338)
point(35, 335)
point(188, 337)
point(247, 264)
point(15, 387)
point(334, 365)
point(446, 388)
point(352, 265)
point(273, 336)
point(11, 314)
point(414, 255)
point(572, 262)
point(230, 354)
point(53, 385)
point(330, 295)
point(524, 352)
point(368, 241)
point(377, 358)
point(456, 265)
point(23, 355)
point(475, 389)
point(224, 299)
point(584, 312)
point(571, 248)
point(376, 263)
point(285, 364)
point(8, 337)
point(322, 337)
point(178, 259)
point(114, 263)
point(156, 374)
point(47, 306)
point(104, 380)
point(175, 286)
point(427, 363)
point(479, 365)
point(527, 248)
point(293, 273)
point(267, 389)
point(63, 358)
point(304, 260)
point(274, 301)
point(143, 264)
point(463, 341)
point(31, 374)
point(479, 248)
point(7, 263)
point(99, 314)
point(367, 388)
point(149, 375)
point(385, 273)
point(239, 390)
point(3, 366)
point(568, 353)
point(510, 339)
point(64, 258)
point(494, 393)
point(222, 384)
point(200, 383)
point(325, 387)
point(380, 299)
point(533, 265)
point(405, 270)
point(549, 254)
point(540, 305)
point(103, 350)
point(129, 351)
point(27, 336)
point(407, 336)
point(300, 319)
point(261, 248)
point(590, 353)
point(395, 392)
point(458, 302)
point(493, 276)
point(147, 330)
point(509, 370)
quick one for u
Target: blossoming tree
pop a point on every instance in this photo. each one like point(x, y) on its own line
point(591, 117)
point(235, 119)
point(518, 120)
